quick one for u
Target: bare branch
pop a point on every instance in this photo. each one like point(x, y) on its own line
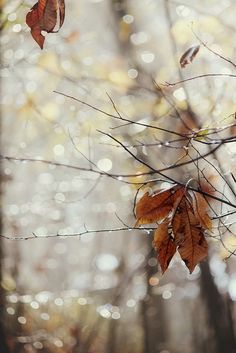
point(71, 235)
point(119, 117)
point(214, 52)
point(167, 84)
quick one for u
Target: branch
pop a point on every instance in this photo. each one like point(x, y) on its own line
point(86, 231)
point(167, 84)
point(168, 177)
point(214, 52)
point(119, 176)
point(119, 117)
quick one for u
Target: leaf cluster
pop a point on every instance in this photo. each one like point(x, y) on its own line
point(182, 221)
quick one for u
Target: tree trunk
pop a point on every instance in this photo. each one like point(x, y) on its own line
point(3, 343)
point(153, 315)
point(219, 317)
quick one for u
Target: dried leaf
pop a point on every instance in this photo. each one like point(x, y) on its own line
point(189, 55)
point(189, 236)
point(165, 245)
point(200, 209)
point(155, 207)
point(43, 17)
point(61, 4)
point(185, 214)
point(206, 185)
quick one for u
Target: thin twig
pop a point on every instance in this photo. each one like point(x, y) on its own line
point(167, 84)
point(71, 235)
point(119, 117)
point(213, 51)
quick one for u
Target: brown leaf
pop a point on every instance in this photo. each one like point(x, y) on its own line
point(164, 244)
point(189, 236)
point(61, 4)
point(207, 186)
point(201, 206)
point(43, 17)
point(189, 55)
point(155, 207)
point(185, 213)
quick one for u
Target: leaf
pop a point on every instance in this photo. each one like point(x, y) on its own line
point(189, 55)
point(165, 245)
point(43, 16)
point(155, 207)
point(184, 219)
point(206, 185)
point(189, 236)
point(61, 4)
point(200, 209)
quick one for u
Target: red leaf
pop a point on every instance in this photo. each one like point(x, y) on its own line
point(43, 17)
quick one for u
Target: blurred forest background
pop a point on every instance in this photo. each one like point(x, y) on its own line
point(103, 292)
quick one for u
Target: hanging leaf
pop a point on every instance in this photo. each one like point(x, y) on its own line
point(61, 4)
point(155, 207)
point(189, 236)
point(206, 185)
point(164, 244)
point(189, 55)
point(43, 16)
point(201, 206)
point(184, 219)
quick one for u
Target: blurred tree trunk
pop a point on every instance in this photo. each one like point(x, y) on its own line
point(153, 313)
point(217, 307)
point(3, 343)
point(111, 346)
point(219, 316)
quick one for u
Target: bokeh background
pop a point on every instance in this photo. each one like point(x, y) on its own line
point(104, 292)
